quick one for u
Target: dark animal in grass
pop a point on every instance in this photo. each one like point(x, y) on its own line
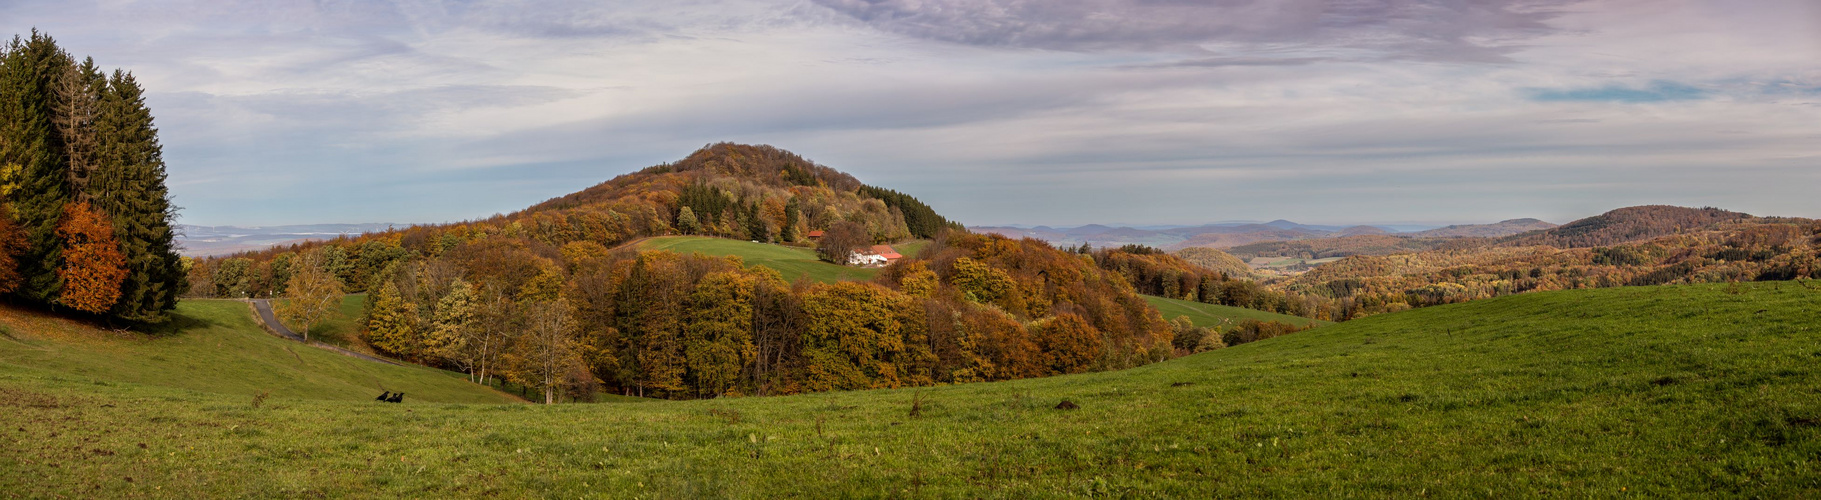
point(383, 396)
point(396, 398)
point(1067, 405)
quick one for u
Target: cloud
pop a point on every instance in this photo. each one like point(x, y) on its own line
point(1455, 30)
point(1060, 112)
point(1659, 91)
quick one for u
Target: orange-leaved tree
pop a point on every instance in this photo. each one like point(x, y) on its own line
point(93, 267)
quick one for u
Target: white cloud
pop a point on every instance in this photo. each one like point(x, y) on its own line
point(417, 111)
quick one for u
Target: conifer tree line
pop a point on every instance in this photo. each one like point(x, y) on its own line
point(85, 218)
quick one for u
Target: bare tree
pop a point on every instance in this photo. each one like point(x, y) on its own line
point(841, 241)
point(495, 320)
point(549, 346)
point(73, 112)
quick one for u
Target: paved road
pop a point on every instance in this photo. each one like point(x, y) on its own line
point(264, 308)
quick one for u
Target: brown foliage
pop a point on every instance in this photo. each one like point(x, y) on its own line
point(12, 244)
point(1625, 225)
point(93, 267)
point(841, 241)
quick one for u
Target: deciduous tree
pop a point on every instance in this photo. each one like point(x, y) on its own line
point(92, 265)
point(311, 293)
point(548, 346)
point(392, 323)
point(448, 335)
point(719, 336)
point(852, 338)
point(841, 241)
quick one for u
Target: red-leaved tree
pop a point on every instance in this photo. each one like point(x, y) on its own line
point(93, 267)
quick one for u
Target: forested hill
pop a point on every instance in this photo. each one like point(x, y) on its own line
point(1626, 225)
point(740, 191)
point(548, 298)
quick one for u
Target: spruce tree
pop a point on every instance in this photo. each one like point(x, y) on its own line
point(29, 72)
point(792, 214)
point(129, 184)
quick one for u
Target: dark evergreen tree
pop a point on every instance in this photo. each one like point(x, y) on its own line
point(128, 183)
point(78, 136)
point(755, 224)
point(922, 220)
point(30, 69)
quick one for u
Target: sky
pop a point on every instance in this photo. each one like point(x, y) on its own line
point(1058, 112)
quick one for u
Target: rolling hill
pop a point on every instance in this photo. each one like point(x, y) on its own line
point(1494, 230)
point(1678, 391)
point(1219, 316)
point(214, 346)
point(1626, 225)
point(672, 325)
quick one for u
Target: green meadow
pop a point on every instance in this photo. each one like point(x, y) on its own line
point(214, 346)
point(341, 328)
point(1680, 391)
point(1219, 316)
point(791, 262)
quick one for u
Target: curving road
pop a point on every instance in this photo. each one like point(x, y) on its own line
point(263, 307)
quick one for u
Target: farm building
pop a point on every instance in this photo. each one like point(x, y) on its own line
point(887, 252)
point(878, 255)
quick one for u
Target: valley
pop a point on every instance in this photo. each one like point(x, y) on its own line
point(603, 295)
point(1658, 391)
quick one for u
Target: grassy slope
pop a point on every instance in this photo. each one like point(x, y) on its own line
point(340, 329)
point(1211, 315)
point(1659, 391)
point(214, 346)
point(790, 261)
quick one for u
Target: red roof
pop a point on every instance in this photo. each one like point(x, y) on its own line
point(815, 234)
point(887, 252)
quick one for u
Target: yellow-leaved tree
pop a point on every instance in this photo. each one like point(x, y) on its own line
point(392, 323)
point(853, 337)
point(718, 341)
point(311, 294)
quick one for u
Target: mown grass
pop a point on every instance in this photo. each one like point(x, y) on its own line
point(1662, 391)
point(214, 346)
point(1219, 316)
point(792, 262)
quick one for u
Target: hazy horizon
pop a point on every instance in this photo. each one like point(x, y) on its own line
point(994, 112)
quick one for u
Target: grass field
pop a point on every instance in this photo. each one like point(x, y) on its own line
point(342, 328)
point(1215, 315)
point(1686, 391)
point(792, 262)
point(214, 346)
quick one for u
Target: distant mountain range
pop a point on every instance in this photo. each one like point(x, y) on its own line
point(1232, 234)
point(203, 241)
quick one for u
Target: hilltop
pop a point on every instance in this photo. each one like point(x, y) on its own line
point(1626, 225)
point(1495, 230)
point(1677, 391)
